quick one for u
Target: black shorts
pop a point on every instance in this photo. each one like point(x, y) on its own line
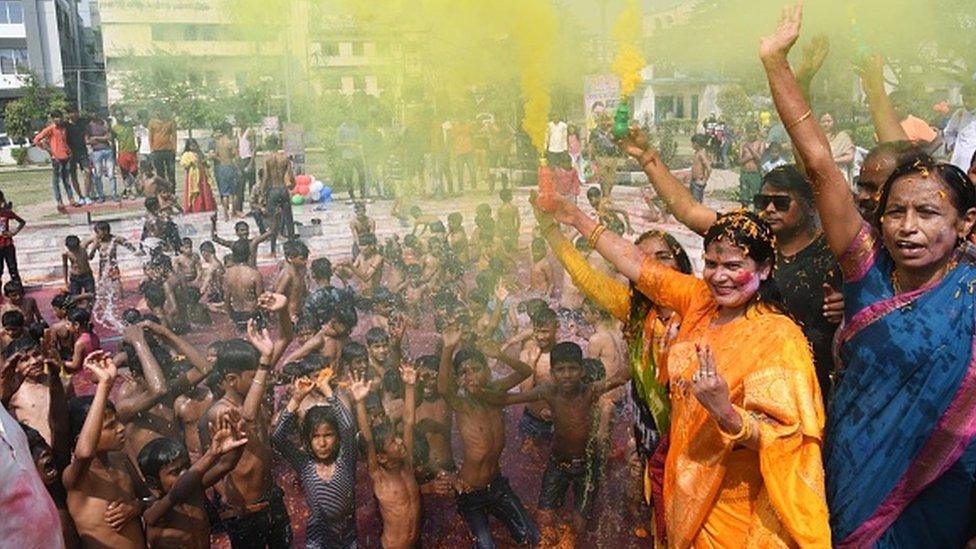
point(531, 426)
point(81, 284)
point(581, 473)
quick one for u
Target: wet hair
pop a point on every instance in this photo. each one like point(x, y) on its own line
point(747, 231)
point(236, 356)
point(593, 193)
point(315, 416)
point(545, 317)
point(131, 317)
point(321, 268)
point(208, 247)
point(468, 353)
point(82, 317)
point(13, 286)
point(295, 248)
point(789, 179)
point(962, 192)
point(78, 408)
point(185, 241)
point(566, 351)
point(307, 366)
point(376, 335)
point(392, 382)
point(159, 453)
point(101, 226)
point(72, 242)
point(36, 331)
point(151, 203)
point(241, 251)
point(61, 300)
point(161, 261)
point(241, 225)
point(21, 344)
point(12, 319)
point(428, 362)
point(154, 293)
point(505, 195)
point(353, 351)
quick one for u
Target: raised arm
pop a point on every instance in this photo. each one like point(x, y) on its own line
point(840, 218)
point(255, 393)
point(520, 370)
point(409, 375)
point(886, 124)
point(86, 446)
point(446, 385)
point(281, 437)
point(133, 403)
point(675, 195)
point(359, 389)
point(201, 367)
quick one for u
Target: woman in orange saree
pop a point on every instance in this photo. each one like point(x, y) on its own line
point(744, 465)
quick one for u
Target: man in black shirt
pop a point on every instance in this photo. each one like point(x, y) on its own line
point(76, 128)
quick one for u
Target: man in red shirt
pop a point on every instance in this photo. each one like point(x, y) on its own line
point(54, 140)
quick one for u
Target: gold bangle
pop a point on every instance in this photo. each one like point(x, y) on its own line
point(800, 120)
point(745, 432)
point(595, 236)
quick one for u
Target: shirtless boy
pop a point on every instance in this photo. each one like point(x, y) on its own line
point(13, 291)
point(701, 167)
point(226, 170)
point(291, 280)
point(106, 246)
point(481, 488)
point(572, 461)
point(360, 225)
point(101, 481)
point(542, 277)
point(367, 268)
point(186, 265)
point(389, 461)
point(509, 221)
point(243, 232)
point(243, 284)
point(536, 422)
point(78, 276)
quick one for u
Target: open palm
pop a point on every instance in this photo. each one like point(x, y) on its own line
point(782, 39)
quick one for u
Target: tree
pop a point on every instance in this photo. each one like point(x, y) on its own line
point(734, 104)
point(27, 114)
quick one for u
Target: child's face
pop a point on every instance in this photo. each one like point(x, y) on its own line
point(359, 366)
point(569, 375)
point(44, 461)
point(427, 381)
point(394, 451)
point(206, 255)
point(298, 260)
point(15, 297)
point(14, 332)
point(103, 233)
point(242, 381)
point(211, 356)
point(379, 351)
point(169, 473)
point(186, 249)
point(112, 437)
point(242, 231)
point(324, 442)
point(545, 336)
point(473, 376)
point(60, 313)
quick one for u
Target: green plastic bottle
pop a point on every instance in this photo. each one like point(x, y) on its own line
point(621, 120)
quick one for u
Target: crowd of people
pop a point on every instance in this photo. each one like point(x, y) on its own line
point(812, 387)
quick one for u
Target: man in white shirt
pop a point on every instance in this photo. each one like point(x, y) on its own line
point(557, 141)
point(960, 132)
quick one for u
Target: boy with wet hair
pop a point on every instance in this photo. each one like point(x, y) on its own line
point(243, 232)
point(457, 238)
point(389, 462)
point(574, 459)
point(253, 511)
point(78, 276)
point(243, 284)
point(480, 486)
point(367, 268)
point(50, 472)
point(542, 276)
point(13, 291)
point(100, 480)
point(179, 517)
point(536, 423)
point(291, 280)
point(433, 422)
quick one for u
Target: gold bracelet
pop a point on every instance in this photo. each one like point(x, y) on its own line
point(745, 432)
point(800, 120)
point(595, 236)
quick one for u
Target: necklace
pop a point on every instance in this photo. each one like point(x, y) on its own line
point(896, 284)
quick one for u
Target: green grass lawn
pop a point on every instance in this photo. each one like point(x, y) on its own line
point(26, 187)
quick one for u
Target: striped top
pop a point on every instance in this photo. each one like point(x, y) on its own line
point(332, 523)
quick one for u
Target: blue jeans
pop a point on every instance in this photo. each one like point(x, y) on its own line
point(104, 164)
point(499, 500)
point(59, 172)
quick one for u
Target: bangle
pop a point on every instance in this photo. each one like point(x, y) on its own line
point(255, 381)
point(800, 120)
point(745, 432)
point(595, 236)
point(643, 163)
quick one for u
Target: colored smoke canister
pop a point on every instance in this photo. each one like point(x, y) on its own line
point(621, 120)
point(547, 188)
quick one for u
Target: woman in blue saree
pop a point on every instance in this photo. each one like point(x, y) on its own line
point(900, 453)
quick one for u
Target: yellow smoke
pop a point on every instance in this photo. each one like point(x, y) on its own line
point(627, 33)
point(535, 34)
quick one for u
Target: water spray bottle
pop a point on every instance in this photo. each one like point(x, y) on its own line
point(621, 119)
point(547, 187)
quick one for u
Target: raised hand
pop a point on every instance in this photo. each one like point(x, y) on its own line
point(273, 302)
point(359, 388)
point(814, 55)
point(709, 386)
point(408, 373)
point(779, 43)
point(261, 339)
point(452, 336)
point(558, 208)
point(301, 388)
point(871, 71)
point(101, 366)
point(501, 293)
point(225, 437)
point(637, 144)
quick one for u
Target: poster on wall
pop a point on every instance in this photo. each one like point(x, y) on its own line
point(601, 92)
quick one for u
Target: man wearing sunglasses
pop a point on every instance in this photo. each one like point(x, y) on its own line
point(805, 271)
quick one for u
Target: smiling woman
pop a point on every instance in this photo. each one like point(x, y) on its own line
point(747, 418)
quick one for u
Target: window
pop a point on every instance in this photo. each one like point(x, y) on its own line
point(345, 49)
point(13, 61)
point(11, 12)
